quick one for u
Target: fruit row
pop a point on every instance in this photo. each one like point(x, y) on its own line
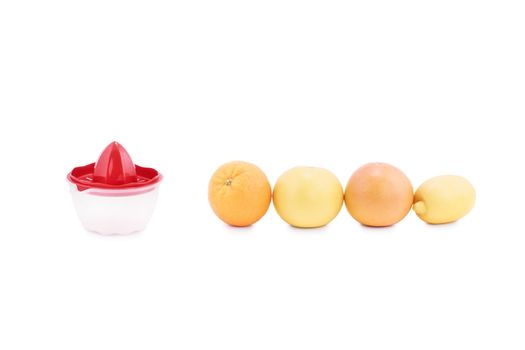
point(377, 194)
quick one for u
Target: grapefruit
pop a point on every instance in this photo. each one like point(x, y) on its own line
point(308, 197)
point(378, 194)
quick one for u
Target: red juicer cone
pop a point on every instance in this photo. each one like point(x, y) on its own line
point(114, 166)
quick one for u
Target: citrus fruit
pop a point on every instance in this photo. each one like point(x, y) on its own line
point(444, 199)
point(378, 194)
point(307, 196)
point(239, 193)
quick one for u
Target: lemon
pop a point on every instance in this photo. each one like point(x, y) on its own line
point(444, 199)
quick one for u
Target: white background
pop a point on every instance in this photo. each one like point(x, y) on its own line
point(433, 87)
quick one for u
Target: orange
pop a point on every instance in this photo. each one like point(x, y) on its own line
point(239, 193)
point(378, 194)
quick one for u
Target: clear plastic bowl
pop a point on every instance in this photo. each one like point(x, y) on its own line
point(115, 211)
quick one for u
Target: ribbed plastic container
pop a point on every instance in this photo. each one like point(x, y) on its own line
point(115, 211)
